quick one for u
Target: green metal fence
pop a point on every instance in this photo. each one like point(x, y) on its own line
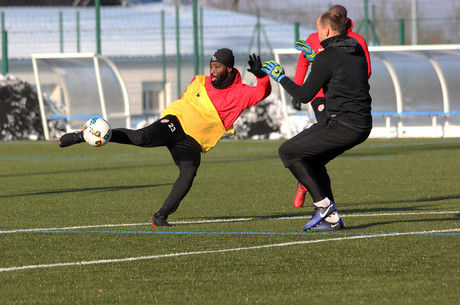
point(191, 31)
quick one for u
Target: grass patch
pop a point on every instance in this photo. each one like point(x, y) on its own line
point(98, 202)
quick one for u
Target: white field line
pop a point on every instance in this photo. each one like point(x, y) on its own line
point(131, 259)
point(221, 221)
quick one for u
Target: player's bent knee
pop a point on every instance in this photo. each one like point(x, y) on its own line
point(284, 150)
point(287, 154)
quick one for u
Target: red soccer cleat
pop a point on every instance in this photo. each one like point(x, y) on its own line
point(299, 198)
point(160, 221)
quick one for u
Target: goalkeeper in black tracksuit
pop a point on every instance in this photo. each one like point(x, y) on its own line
point(341, 70)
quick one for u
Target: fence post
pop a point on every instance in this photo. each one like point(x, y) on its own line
point(4, 47)
point(196, 57)
point(414, 29)
point(97, 4)
point(296, 31)
point(366, 20)
point(258, 31)
point(201, 41)
point(61, 34)
point(401, 32)
point(77, 17)
point(178, 51)
point(163, 48)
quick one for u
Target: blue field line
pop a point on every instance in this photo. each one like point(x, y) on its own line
point(223, 233)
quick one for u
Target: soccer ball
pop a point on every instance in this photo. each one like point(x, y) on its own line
point(97, 132)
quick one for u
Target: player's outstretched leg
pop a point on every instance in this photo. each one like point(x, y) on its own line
point(71, 139)
point(299, 198)
point(331, 222)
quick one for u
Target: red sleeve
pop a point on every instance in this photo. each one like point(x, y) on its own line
point(265, 87)
point(368, 58)
point(230, 103)
point(301, 70)
point(363, 44)
point(302, 63)
point(255, 94)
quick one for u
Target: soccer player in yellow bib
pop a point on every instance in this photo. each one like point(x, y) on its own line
point(195, 122)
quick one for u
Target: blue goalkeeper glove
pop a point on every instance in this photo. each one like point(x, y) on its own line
point(274, 70)
point(304, 47)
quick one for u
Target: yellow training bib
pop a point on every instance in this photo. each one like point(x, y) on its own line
point(197, 115)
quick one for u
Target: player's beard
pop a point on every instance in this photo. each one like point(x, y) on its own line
point(225, 81)
point(220, 79)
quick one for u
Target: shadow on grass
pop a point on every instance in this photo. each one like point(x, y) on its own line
point(89, 189)
point(85, 170)
point(382, 223)
point(252, 218)
point(400, 148)
point(347, 227)
point(307, 210)
point(424, 199)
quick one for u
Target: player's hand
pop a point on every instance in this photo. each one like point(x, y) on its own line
point(296, 104)
point(274, 70)
point(255, 66)
point(308, 52)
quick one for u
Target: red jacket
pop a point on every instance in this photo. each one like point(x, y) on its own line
point(230, 102)
point(313, 41)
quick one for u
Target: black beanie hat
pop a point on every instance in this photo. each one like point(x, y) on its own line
point(224, 56)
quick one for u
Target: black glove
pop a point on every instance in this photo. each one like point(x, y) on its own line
point(255, 66)
point(296, 104)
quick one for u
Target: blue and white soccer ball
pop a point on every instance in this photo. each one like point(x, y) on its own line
point(97, 132)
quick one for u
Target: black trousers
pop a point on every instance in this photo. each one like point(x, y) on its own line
point(307, 154)
point(319, 107)
point(185, 151)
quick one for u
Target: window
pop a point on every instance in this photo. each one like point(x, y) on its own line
point(153, 97)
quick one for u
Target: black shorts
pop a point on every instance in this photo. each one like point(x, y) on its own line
point(323, 143)
point(168, 132)
point(163, 132)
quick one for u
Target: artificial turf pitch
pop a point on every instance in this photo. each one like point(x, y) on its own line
point(75, 227)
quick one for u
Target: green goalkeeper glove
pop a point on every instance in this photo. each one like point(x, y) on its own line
point(274, 70)
point(308, 52)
